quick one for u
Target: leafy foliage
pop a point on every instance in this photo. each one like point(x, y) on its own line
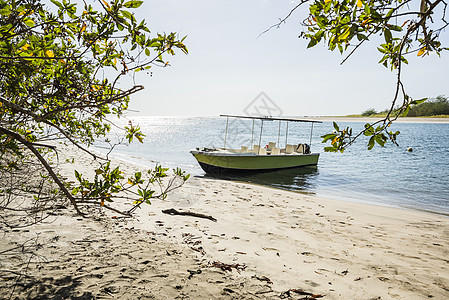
point(108, 181)
point(345, 23)
point(407, 27)
point(60, 68)
point(377, 135)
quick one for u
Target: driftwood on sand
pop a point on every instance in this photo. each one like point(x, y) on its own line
point(173, 211)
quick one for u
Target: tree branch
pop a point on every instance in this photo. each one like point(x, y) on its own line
point(38, 118)
point(49, 169)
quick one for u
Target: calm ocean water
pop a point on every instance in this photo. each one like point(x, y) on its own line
point(385, 176)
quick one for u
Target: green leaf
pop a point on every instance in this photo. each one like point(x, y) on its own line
point(367, 9)
point(382, 50)
point(416, 102)
point(380, 139)
point(319, 35)
point(336, 126)
point(29, 22)
point(133, 4)
point(21, 44)
point(327, 137)
point(387, 34)
point(75, 191)
point(345, 34)
point(77, 175)
point(340, 48)
point(57, 3)
point(371, 143)
point(390, 13)
point(330, 149)
point(368, 130)
point(127, 15)
point(312, 43)
point(405, 113)
point(361, 37)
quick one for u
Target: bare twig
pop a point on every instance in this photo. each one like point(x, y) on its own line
point(281, 21)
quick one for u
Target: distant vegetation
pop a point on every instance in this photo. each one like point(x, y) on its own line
point(438, 106)
point(434, 107)
point(369, 112)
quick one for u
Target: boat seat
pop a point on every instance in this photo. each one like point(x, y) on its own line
point(256, 149)
point(289, 149)
point(275, 151)
point(271, 145)
point(244, 149)
point(262, 151)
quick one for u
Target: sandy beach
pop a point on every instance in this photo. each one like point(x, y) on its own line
point(264, 244)
point(374, 119)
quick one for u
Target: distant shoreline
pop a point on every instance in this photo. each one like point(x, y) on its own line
point(374, 119)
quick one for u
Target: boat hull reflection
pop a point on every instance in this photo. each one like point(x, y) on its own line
point(301, 179)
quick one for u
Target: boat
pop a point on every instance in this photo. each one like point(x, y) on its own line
point(255, 158)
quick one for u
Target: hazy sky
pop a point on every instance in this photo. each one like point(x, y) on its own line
point(229, 65)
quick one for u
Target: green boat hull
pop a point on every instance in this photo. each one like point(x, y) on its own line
point(216, 163)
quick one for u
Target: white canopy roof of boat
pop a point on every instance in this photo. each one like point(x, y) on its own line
point(272, 118)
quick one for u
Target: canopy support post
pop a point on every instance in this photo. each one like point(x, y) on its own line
point(260, 137)
point(311, 131)
point(279, 131)
point(286, 136)
point(252, 136)
point(226, 132)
